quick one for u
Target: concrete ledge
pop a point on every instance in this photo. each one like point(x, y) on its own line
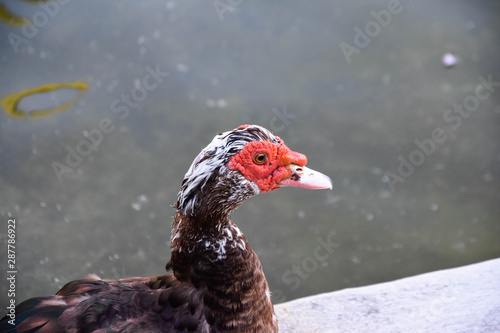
point(464, 299)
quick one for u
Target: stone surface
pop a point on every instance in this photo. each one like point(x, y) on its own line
point(464, 299)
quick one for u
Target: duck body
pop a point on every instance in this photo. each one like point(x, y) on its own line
point(217, 283)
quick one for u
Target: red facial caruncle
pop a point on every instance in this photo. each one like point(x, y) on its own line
point(266, 163)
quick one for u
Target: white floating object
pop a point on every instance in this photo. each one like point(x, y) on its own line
point(449, 60)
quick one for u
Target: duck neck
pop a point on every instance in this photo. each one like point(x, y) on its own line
point(210, 242)
point(202, 230)
point(218, 258)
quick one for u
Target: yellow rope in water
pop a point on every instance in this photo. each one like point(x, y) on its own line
point(10, 103)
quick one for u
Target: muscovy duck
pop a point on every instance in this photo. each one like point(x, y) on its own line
point(217, 283)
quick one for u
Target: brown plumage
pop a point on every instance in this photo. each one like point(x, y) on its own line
point(217, 283)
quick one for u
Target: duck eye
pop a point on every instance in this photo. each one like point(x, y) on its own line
point(260, 158)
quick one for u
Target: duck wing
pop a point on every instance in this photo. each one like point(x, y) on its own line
point(157, 304)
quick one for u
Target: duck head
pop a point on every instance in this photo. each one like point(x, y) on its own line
point(241, 163)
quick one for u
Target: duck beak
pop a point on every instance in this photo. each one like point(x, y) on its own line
point(304, 177)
